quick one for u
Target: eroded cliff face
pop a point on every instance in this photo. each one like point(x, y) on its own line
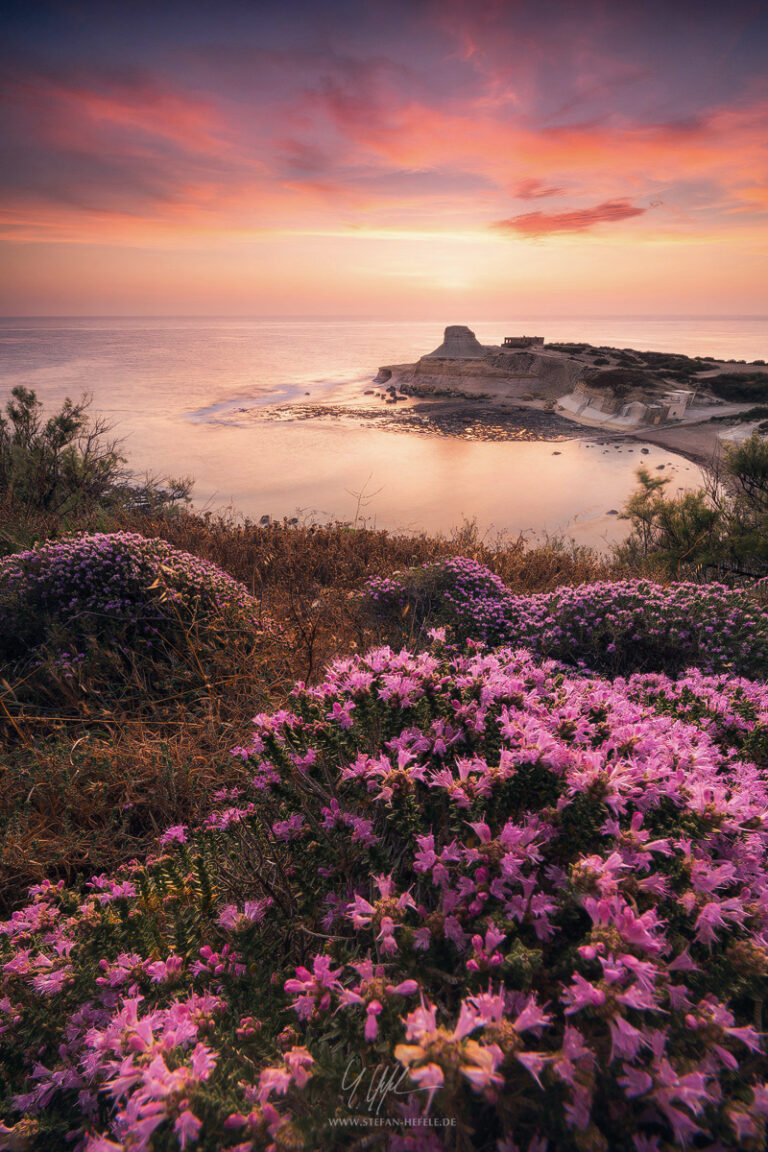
point(514, 372)
point(432, 366)
point(492, 369)
point(459, 343)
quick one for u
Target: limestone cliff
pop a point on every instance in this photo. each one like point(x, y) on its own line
point(459, 343)
point(462, 364)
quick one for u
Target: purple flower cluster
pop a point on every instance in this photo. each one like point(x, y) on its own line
point(539, 899)
point(612, 627)
point(114, 589)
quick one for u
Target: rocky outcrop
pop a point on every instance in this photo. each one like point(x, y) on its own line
point(459, 343)
point(461, 366)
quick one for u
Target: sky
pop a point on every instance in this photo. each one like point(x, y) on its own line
point(405, 159)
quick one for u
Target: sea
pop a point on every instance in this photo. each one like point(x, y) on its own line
point(181, 394)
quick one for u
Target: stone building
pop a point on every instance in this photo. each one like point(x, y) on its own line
point(677, 403)
point(521, 341)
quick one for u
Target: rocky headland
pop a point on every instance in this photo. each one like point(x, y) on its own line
point(527, 389)
point(687, 404)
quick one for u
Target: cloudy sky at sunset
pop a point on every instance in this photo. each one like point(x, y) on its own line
point(404, 159)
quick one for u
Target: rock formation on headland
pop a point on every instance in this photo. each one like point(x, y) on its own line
point(459, 343)
point(462, 363)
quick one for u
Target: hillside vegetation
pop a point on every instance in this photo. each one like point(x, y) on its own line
point(720, 529)
point(739, 387)
point(106, 739)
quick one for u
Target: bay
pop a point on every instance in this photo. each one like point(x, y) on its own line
point(166, 383)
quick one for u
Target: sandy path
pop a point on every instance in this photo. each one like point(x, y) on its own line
point(698, 442)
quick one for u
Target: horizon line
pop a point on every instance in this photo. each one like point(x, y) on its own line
point(368, 319)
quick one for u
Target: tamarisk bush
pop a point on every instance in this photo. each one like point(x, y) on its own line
point(60, 472)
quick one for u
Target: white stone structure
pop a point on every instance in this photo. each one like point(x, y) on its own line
point(677, 403)
point(634, 412)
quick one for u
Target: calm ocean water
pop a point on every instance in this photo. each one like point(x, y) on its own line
point(164, 384)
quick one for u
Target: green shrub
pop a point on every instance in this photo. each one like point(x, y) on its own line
point(739, 387)
point(57, 472)
point(722, 528)
point(620, 381)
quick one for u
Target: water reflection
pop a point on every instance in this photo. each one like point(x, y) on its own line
point(405, 482)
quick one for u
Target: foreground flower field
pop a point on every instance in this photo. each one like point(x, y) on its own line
point(472, 899)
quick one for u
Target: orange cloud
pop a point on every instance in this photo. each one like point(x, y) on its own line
point(358, 149)
point(721, 151)
point(577, 220)
point(425, 136)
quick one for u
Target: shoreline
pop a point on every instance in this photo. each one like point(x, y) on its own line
point(457, 417)
point(476, 418)
point(527, 390)
point(693, 442)
point(563, 501)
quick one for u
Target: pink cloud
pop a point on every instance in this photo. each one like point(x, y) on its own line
point(576, 220)
point(75, 112)
point(361, 144)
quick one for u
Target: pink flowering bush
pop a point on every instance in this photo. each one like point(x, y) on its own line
point(71, 607)
point(613, 627)
point(469, 901)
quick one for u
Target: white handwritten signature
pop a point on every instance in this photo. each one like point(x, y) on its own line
point(375, 1084)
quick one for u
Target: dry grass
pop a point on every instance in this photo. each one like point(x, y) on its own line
point(337, 555)
point(72, 807)
point(81, 793)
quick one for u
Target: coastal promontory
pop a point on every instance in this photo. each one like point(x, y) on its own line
point(656, 394)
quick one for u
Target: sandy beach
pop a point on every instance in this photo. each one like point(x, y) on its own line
point(697, 442)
